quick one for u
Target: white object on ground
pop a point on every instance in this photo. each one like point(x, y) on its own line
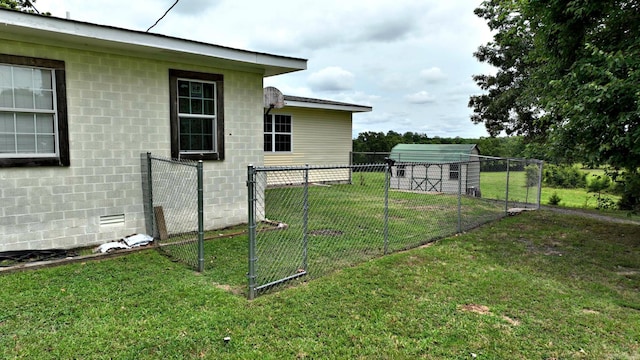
point(126, 242)
point(137, 240)
point(114, 245)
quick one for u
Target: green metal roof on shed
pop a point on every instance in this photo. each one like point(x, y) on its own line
point(433, 153)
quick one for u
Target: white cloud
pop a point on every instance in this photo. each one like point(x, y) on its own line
point(388, 54)
point(433, 75)
point(193, 7)
point(421, 97)
point(333, 78)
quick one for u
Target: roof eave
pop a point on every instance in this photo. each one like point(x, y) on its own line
point(81, 35)
point(311, 105)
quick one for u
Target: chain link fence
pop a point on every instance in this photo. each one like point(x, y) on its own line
point(175, 208)
point(305, 222)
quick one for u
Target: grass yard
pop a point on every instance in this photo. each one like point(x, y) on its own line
point(345, 225)
point(536, 286)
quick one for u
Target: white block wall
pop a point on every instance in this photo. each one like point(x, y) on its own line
point(118, 109)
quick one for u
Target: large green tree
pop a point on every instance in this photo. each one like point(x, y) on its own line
point(568, 75)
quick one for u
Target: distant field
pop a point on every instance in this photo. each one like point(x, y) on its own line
point(493, 185)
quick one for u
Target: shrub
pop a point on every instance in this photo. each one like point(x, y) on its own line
point(531, 172)
point(554, 199)
point(598, 183)
point(564, 176)
point(604, 203)
point(629, 190)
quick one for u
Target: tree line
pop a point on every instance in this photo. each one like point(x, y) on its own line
point(506, 147)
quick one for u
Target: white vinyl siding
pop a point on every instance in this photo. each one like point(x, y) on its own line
point(319, 137)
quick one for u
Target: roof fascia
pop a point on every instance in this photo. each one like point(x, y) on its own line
point(312, 105)
point(55, 31)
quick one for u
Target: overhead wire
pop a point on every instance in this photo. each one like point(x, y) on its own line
point(163, 15)
point(28, 4)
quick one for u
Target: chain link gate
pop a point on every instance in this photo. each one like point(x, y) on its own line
point(176, 208)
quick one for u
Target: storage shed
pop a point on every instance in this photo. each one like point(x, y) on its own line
point(442, 168)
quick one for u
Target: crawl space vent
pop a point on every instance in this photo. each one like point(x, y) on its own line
point(112, 219)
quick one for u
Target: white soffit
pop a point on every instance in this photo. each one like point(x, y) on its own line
point(19, 26)
point(327, 106)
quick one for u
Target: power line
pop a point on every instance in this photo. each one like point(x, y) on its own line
point(162, 17)
point(28, 4)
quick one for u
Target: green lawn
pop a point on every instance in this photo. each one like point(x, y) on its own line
point(536, 286)
point(346, 225)
point(493, 185)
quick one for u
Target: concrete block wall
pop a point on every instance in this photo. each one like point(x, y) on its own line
point(118, 109)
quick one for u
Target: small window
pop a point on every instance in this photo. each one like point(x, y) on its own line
point(197, 121)
point(277, 133)
point(400, 171)
point(33, 112)
point(454, 171)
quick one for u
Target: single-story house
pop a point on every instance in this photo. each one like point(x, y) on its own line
point(80, 103)
point(443, 168)
point(309, 131)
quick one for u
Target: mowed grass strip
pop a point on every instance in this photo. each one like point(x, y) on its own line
point(535, 286)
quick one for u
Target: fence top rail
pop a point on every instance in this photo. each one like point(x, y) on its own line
point(175, 161)
point(316, 167)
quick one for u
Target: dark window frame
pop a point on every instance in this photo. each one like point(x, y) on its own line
point(174, 75)
point(62, 129)
point(401, 171)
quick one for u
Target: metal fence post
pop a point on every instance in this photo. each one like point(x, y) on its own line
point(460, 198)
point(200, 217)
point(305, 217)
point(351, 154)
point(526, 179)
point(540, 165)
point(251, 185)
point(506, 198)
point(150, 189)
point(387, 180)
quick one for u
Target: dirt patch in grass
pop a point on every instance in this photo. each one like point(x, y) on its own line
point(235, 290)
point(551, 249)
point(479, 309)
point(627, 272)
point(326, 232)
point(511, 321)
point(428, 207)
point(590, 311)
point(484, 310)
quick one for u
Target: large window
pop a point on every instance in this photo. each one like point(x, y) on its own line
point(277, 133)
point(197, 120)
point(33, 116)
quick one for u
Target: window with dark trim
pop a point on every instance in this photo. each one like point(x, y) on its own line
point(33, 112)
point(197, 115)
point(400, 171)
point(277, 133)
point(454, 171)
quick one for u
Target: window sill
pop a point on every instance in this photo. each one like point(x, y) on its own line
point(203, 156)
point(31, 162)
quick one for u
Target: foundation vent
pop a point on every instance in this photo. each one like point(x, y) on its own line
point(116, 219)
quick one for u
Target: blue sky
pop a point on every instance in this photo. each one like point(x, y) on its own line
point(411, 60)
